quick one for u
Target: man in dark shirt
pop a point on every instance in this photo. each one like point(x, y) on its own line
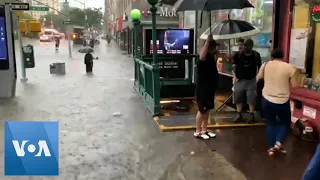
point(247, 64)
point(207, 81)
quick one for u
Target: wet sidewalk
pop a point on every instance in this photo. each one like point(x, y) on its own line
point(246, 149)
point(95, 144)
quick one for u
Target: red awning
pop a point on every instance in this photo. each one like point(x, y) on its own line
point(120, 23)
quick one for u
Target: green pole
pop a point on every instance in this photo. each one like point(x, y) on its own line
point(156, 69)
point(135, 38)
point(153, 10)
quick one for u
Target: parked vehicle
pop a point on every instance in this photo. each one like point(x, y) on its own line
point(45, 38)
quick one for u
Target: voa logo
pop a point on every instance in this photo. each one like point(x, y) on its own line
point(31, 148)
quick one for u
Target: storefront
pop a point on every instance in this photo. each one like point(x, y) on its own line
point(166, 18)
point(303, 52)
point(119, 34)
point(260, 17)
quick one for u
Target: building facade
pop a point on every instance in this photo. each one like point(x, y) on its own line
point(123, 26)
point(299, 37)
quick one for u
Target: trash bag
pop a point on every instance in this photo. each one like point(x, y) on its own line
point(306, 130)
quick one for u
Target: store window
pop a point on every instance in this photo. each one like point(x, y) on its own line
point(260, 17)
point(304, 51)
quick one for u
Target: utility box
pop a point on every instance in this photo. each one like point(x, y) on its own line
point(57, 68)
point(28, 56)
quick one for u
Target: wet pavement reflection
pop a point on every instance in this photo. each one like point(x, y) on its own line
point(246, 149)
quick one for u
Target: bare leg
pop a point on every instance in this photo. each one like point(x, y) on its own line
point(252, 108)
point(205, 120)
point(251, 118)
point(238, 118)
point(199, 120)
point(239, 108)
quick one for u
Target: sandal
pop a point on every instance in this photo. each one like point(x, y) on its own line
point(278, 146)
point(201, 135)
point(271, 151)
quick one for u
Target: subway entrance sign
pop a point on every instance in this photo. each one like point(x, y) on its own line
point(39, 8)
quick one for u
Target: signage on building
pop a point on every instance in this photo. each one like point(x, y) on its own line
point(166, 12)
point(163, 11)
point(315, 13)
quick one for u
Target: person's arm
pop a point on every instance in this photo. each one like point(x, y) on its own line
point(293, 78)
point(204, 51)
point(234, 57)
point(260, 74)
point(259, 61)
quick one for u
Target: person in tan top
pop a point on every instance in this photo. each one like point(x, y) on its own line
point(278, 77)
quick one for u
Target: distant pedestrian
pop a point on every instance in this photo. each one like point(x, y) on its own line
point(57, 43)
point(207, 81)
point(313, 170)
point(278, 77)
point(88, 61)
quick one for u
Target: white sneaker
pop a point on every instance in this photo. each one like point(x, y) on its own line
point(201, 135)
point(209, 133)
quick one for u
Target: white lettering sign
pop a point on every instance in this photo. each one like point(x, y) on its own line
point(309, 112)
point(165, 12)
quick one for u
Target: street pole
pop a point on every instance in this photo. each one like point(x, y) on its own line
point(155, 65)
point(135, 30)
point(85, 14)
point(69, 43)
point(68, 32)
point(23, 69)
point(196, 32)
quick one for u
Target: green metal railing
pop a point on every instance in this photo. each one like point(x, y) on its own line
point(145, 77)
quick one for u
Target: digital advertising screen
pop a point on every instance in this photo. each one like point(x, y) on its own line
point(3, 40)
point(170, 41)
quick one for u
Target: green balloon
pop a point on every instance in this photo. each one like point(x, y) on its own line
point(135, 14)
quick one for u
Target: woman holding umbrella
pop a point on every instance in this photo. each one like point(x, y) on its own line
point(207, 81)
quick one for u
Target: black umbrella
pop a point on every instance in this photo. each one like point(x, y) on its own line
point(168, 2)
point(86, 50)
point(208, 5)
point(231, 29)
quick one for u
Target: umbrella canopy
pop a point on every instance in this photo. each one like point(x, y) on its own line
point(168, 2)
point(231, 29)
point(209, 5)
point(85, 50)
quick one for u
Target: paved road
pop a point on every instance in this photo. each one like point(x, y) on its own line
point(94, 144)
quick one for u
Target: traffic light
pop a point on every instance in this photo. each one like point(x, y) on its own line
point(30, 26)
point(22, 26)
point(34, 26)
point(74, 36)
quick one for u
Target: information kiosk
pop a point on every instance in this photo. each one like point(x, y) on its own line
point(8, 72)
